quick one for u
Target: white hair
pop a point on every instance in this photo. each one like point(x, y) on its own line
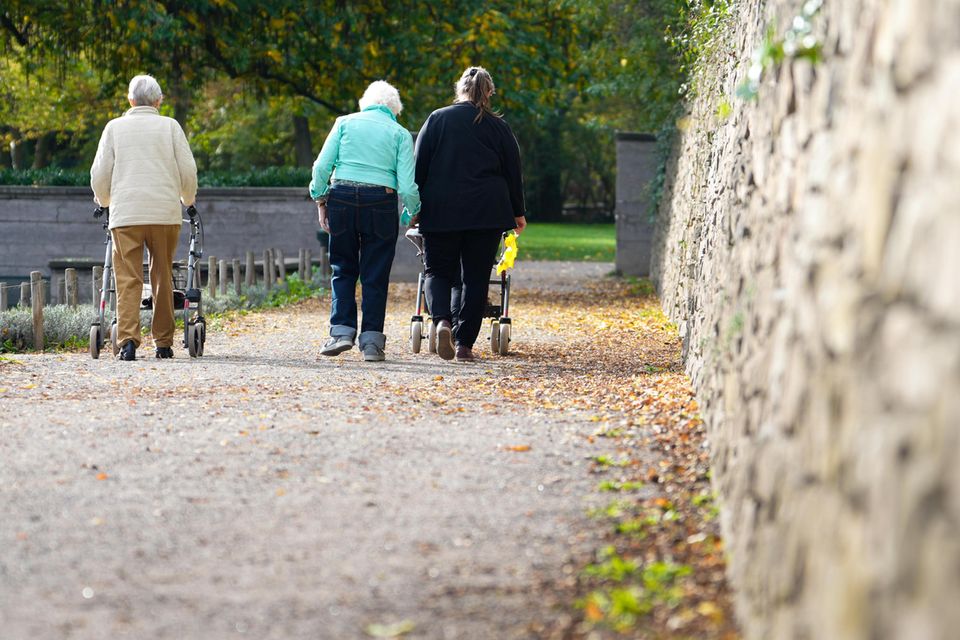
point(144, 91)
point(381, 92)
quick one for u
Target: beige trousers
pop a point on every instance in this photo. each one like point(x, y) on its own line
point(128, 242)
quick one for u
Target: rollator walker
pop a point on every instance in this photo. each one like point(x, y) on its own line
point(186, 296)
point(422, 325)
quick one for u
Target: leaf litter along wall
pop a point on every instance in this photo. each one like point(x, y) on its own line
point(808, 247)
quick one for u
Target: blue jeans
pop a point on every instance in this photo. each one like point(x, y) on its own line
point(364, 222)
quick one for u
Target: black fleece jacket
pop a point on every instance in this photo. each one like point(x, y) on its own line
point(468, 172)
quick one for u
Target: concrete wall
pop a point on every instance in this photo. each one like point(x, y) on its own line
point(636, 170)
point(44, 224)
point(809, 250)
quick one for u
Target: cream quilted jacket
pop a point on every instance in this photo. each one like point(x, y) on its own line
point(144, 169)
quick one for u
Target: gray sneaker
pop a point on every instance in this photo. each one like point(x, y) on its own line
point(372, 353)
point(336, 345)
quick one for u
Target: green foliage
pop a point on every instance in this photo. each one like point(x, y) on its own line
point(607, 461)
point(565, 241)
point(620, 608)
point(608, 485)
point(69, 328)
point(614, 510)
point(236, 73)
point(63, 326)
point(641, 287)
point(265, 177)
point(610, 566)
point(798, 43)
point(698, 36)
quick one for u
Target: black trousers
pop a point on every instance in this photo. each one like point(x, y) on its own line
point(465, 257)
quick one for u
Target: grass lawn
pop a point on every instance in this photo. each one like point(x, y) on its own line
point(566, 241)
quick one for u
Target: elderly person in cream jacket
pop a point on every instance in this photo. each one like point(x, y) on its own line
point(143, 171)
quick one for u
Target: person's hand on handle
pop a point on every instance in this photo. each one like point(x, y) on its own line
point(521, 224)
point(322, 216)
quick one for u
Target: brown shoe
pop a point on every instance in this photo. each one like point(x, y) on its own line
point(445, 340)
point(464, 354)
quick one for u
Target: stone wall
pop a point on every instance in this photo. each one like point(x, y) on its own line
point(39, 225)
point(808, 248)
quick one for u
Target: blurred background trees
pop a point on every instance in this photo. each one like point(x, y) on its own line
point(257, 85)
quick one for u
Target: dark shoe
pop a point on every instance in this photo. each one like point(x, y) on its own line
point(464, 354)
point(336, 345)
point(445, 340)
point(164, 352)
point(128, 351)
point(372, 353)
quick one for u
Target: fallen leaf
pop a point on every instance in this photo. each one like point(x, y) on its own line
point(518, 447)
point(102, 476)
point(393, 630)
point(593, 612)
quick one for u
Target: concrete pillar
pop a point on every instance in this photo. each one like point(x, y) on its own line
point(637, 165)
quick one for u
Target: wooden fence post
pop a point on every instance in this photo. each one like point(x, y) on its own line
point(73, 289)
point(97, 280)
point(268, 269)
point(251, 270)
point(24, 294)
point(325, 265)
point(235, 267)
point(223, 277)
point(36, 298)
point(308, 264)
point(3, 297)
point(300, 269)
point(281, 266)
point(212, 276)
point(59, 286)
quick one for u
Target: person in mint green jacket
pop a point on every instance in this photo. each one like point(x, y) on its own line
point(366, 161)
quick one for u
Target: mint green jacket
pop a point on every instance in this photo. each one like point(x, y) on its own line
point(368, 146)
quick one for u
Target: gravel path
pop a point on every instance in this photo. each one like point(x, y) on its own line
point(264, 492)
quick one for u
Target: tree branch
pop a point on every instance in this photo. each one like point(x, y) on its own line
point(19, 36)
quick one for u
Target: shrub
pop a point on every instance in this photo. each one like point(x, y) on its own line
point(66, 327)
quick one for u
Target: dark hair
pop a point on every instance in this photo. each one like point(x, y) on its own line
point(476, 86)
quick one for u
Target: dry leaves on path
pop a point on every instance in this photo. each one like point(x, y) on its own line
point(608, 351)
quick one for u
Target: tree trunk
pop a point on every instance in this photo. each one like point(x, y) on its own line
point(301, 141)
point(550, 155)
point(17, 152)
point(41, 153)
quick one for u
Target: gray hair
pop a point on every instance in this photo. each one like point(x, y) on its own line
point(144, 91)
point(381, 92)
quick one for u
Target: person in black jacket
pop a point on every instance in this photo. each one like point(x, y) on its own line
point(471, 188)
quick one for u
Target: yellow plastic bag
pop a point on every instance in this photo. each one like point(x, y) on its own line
point(509, 253)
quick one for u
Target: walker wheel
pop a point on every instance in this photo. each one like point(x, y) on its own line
point(95, 342)
point(432, 337)
point(504, 339)
point(113, 339)
point(495, 337)
point(416, 335)
point(195, 339)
